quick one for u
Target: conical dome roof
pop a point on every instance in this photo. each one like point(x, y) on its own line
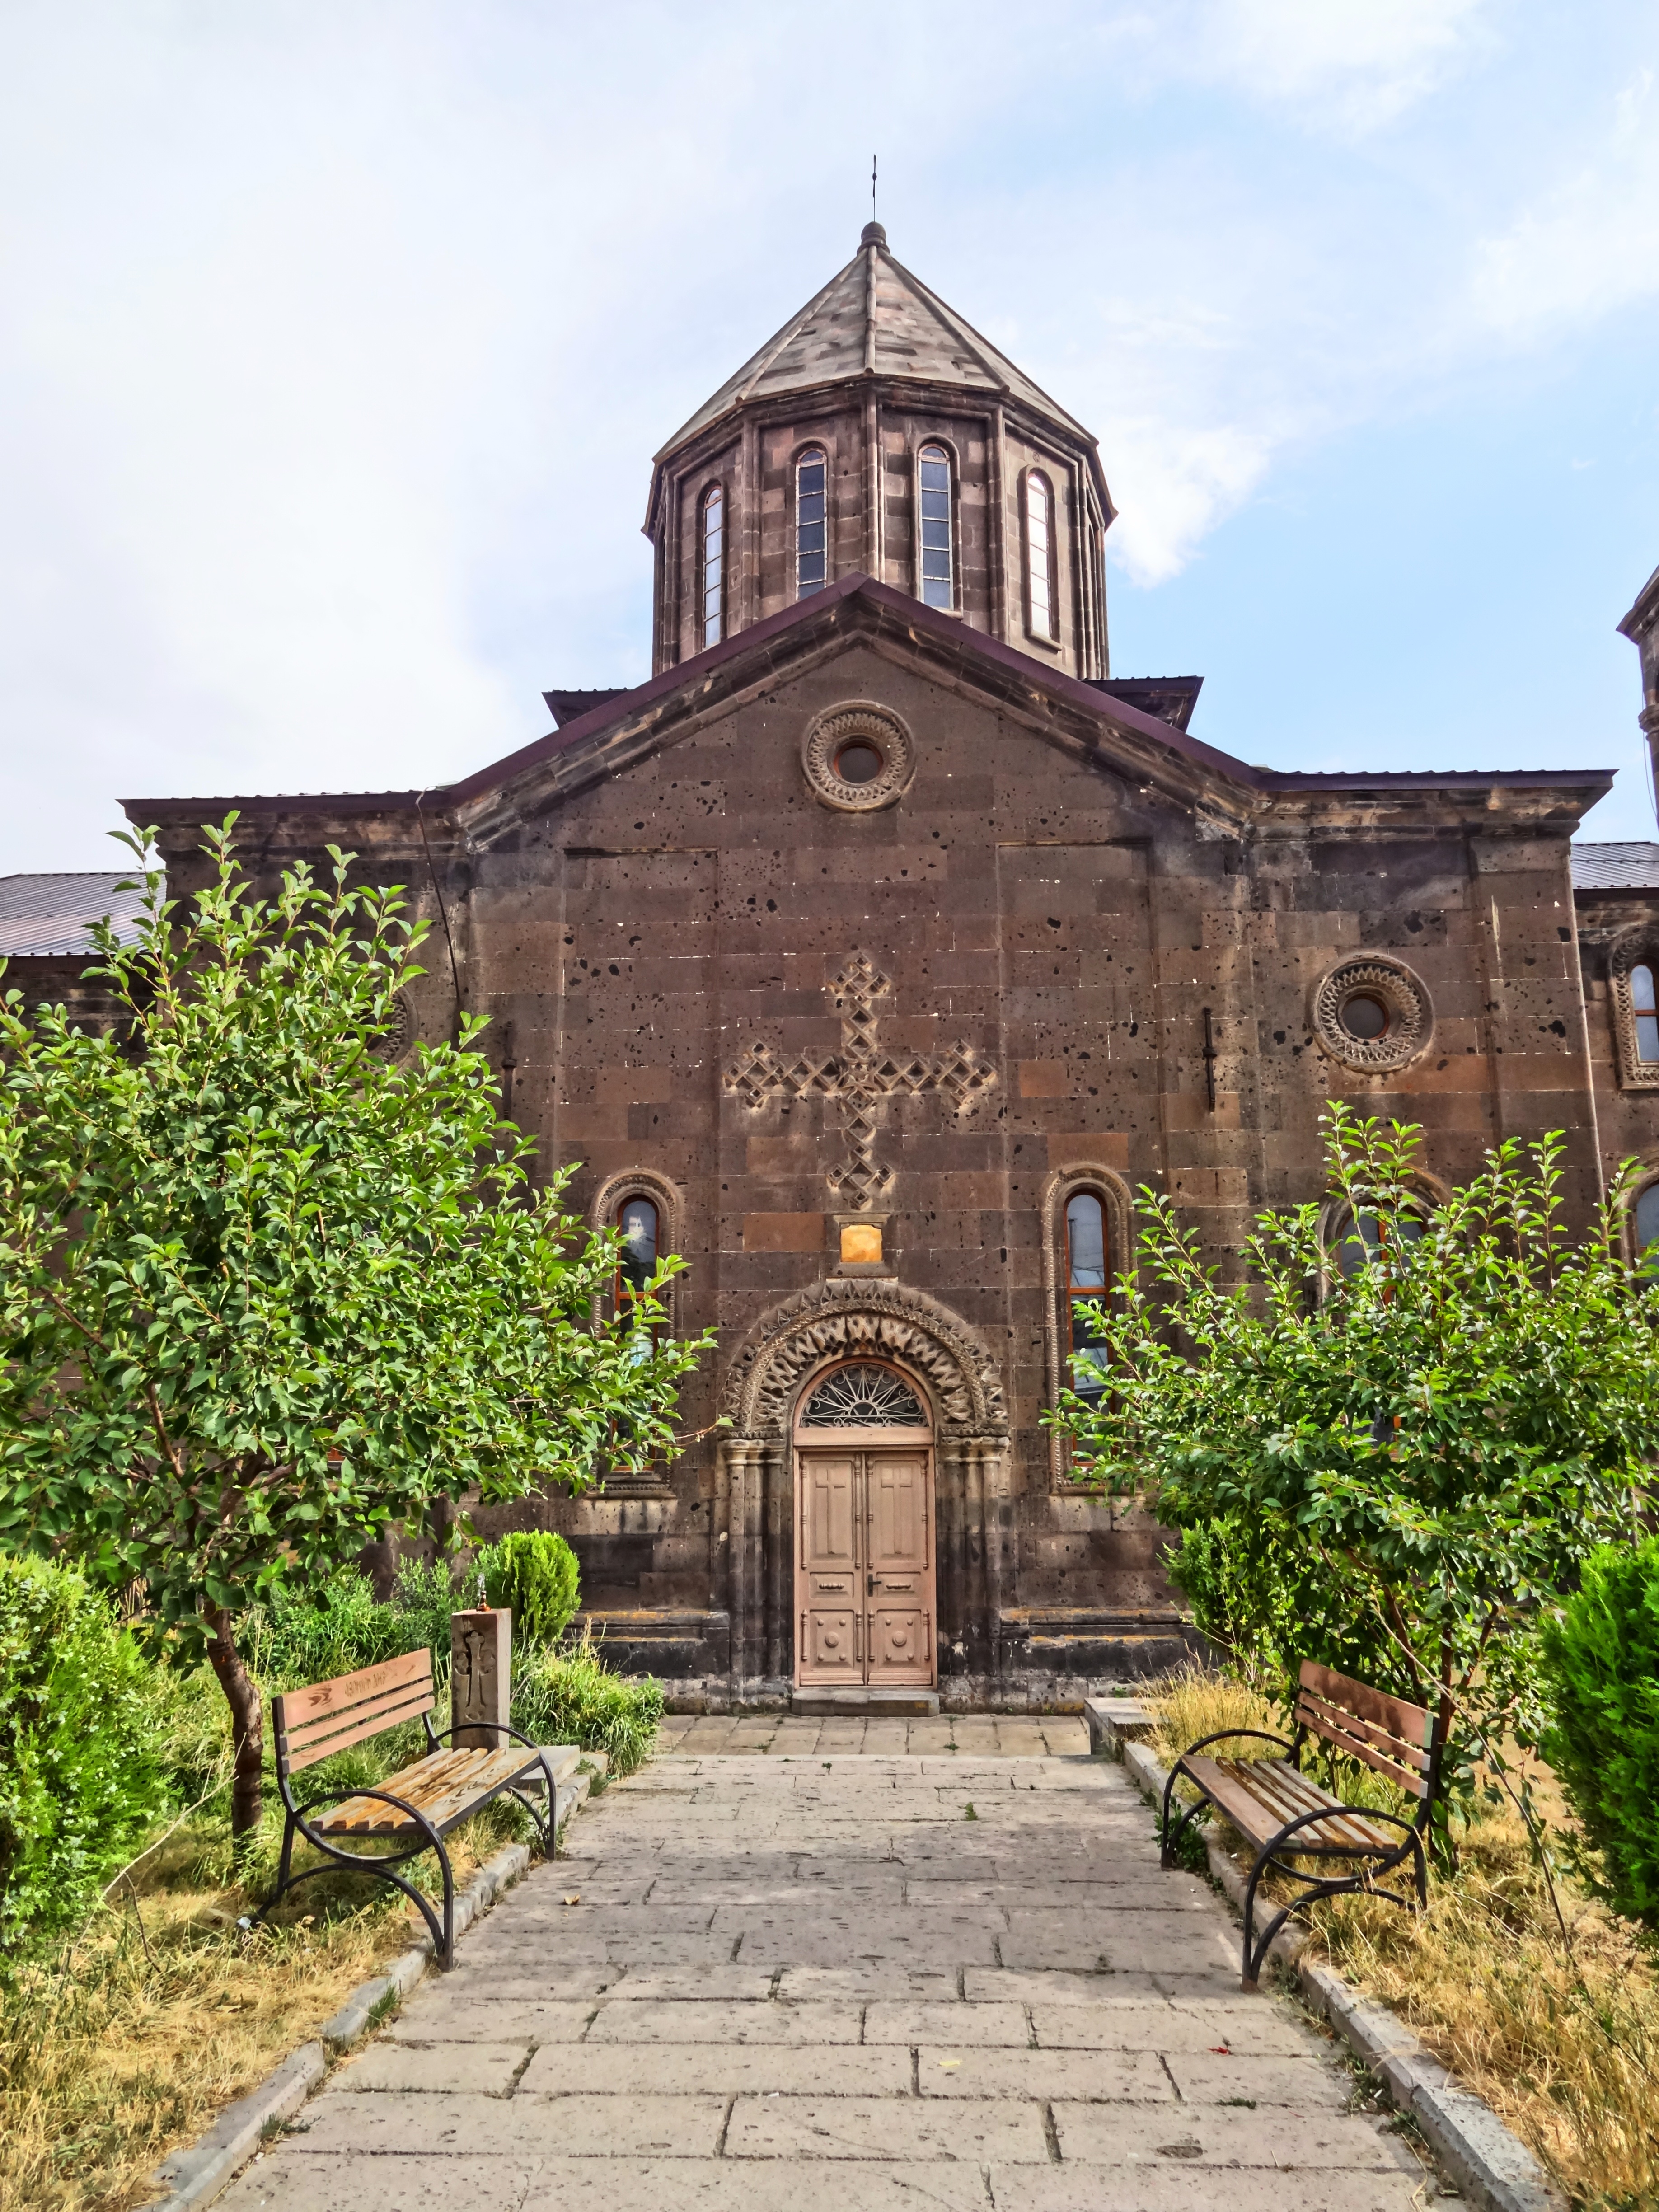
point(875, 318)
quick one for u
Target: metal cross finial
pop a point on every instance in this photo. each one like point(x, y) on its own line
point(872, 187)
point(860, 1076)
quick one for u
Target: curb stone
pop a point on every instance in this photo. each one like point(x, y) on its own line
point(193, 2176)
point(1483, 2156)
point(196, 2174)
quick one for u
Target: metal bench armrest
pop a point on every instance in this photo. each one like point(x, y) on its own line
point(435, 1736)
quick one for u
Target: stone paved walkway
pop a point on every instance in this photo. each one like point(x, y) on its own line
point(768, 1983)
point(778, 1736)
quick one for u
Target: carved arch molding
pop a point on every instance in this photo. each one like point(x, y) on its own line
point(837, 1318)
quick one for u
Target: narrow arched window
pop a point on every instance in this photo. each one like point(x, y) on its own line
point(1086, 1278)
point(933, 518)
point(1645, 1222)
point(638, 1220)
point(812, 522)
point(1039, 554)
point(1364, 1236)
point(713, 565)
point(1645, 1010)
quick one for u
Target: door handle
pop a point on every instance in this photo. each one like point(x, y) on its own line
point(870, 1588)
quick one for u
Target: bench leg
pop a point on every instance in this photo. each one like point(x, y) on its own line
point(446, 1950)
point(1255, 1953)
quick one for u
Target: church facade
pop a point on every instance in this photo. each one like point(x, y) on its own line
point(872, 954)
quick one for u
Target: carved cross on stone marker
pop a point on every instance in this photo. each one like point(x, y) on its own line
point(858, 1076)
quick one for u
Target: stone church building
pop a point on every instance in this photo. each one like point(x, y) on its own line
point(873, 952)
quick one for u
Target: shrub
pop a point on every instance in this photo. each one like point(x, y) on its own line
point(298, 1640)
point(79, 1781)
point(533, 1573)
point(306, 1636)
point(422, 1598)
point(570, 1697)
point(1602, 1651)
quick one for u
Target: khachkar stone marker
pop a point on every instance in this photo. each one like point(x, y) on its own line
point(481, 1678)
point(858, 1077)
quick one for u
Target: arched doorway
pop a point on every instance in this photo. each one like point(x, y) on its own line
point(862, 1441)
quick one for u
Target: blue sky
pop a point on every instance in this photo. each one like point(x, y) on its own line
point(334, 342)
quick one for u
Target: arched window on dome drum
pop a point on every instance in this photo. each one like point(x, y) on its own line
point(1645, 1010)
point(713, 565)
point(812, 522)
point(639, 1222)
point(1039, 554)
point(933, 497)
point(1086, 1278)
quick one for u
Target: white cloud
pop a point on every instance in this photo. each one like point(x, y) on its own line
point(334, 344)
point(1589, 244)
point(1351, 65)
point(1372, 58)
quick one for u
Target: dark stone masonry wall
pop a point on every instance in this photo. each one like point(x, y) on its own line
point(634, 918)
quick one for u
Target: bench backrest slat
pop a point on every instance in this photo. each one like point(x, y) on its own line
point(1386, 1733)
point(314, 1724)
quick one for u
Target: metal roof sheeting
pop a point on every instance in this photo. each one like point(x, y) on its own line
point(1597, 867)
point(42, 916)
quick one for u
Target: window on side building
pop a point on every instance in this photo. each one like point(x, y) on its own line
point(1644, 1012)
point(1644, 1227)
point(638, 1220)
point(1363, 1236)
point(812, 522)
point(937, 552)
point(1086, 1278)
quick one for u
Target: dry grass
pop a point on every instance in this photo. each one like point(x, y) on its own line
point(1563, 2044)
point(128, 2043)
point(1191, 1703)
point(1562, 2040)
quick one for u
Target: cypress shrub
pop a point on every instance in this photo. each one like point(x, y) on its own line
point(534, 1574)
point(1601, 1653)
point(81, 1779)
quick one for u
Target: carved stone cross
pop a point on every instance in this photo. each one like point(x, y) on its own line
point(858, 1076)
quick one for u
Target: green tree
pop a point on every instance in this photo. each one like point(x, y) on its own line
point(266, 1292)
point(1390, 1456)
point(1601, 1654)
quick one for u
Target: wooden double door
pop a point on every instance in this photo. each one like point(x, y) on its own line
point(864, 1563)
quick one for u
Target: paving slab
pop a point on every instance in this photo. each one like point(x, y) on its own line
point(1217, 2134)
point(526, 2020)
point(791, 1979)
point(1178, 2187)
point(693, 2022)
point(808, 2128)
point(723, 2070)
point(491, 2068)
point(962, 2070)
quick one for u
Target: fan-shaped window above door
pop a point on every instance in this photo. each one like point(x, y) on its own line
point(863, 1398)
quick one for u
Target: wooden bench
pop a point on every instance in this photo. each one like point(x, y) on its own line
point(1284, 1815)
point(417, 1806)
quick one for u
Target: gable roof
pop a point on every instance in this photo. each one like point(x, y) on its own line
point(874, 318)
point(621, 727)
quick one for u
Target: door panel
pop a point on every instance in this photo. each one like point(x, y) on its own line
point(900, 1558)
point(865, 1566)
point(900, 1646)
point(829, 1601)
